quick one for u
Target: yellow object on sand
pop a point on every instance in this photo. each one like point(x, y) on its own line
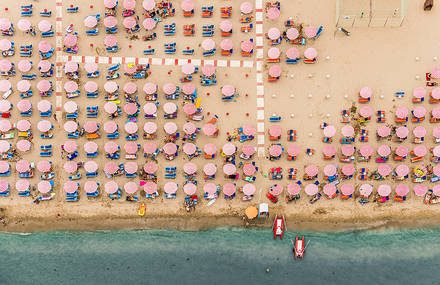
point(198, 102)
point(130, 65)
point(141, 211)
point(419, 171)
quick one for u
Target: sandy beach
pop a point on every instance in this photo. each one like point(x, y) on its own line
point(385, 58)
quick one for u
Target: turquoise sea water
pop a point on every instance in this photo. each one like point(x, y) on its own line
point(220, 256)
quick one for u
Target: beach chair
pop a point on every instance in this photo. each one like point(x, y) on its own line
point(46, 150)
point(45, 13)
point(113, 30)
point(225, 12)
point(92, 111)
point(72, 9)
point(112, 49)
point(274, 118)
point(93, 32)
point(207, 11)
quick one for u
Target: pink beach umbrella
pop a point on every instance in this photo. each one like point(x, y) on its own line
point(91, 186)
point(110, 127)
point(150, 109)
point(273, 13)
point(436, 132)
point(5, 106)
point(293, 188)
point(110, 4)
point(130, 108)
point(401, 150)
point(111, 168)
point(150, 187)
point(419, 132)
point(90, 147)
point(419, 112)
point(209, 129)
point(208, 44)
point(436, 151)
point(226, 44)
point(189, 188)
point(110, 21)
point(365, 189)
point(5, 125)
point(366, 151)
point(247, 46)
point(383, 131)
point(24, 65)
point(169, 108)
point(70, 86)
point(70, 107)
point(24, 25)
point(24, 105)
point(249, 130)
point(311, 170)
point(5, 85)
point(366, 111)
point(110, 107)
point(402, 132)
point(90, 127)
point(402, 190)
point(44, 26)
point(347, 150)
point(149, 24)
point(71, 167)
point(210, 149)
point(436, 113)
point(4, 166)
point(329, 131)
point(347, 131)
point(275, 71)
point(384, 190)
point(70, 66)
point(149, 4)
point(129, 22)
point(246, 7)
point(329, 189)
point(402, 170)
point(70, 187)
point(169, 88)
point(90, 22)
point(402, 112)
point(131, 147)
point(70, 40)
point(330, 170)
point(384, 169)
point(22, 185)
point(436, 190)
point(70, 146)
point(150, 88)
point(5, 65)
point(44, 65)
point(190, 168)
point(273, 53)
point(150, 128)
point(420, 190)
point(189, 108)
point(23, 166)
point(188, 68)
point(187, 5)
point(226, 26)
point(111, 187)
point(228, 90)
point(310, 53)
point(4, 146)
point(111, 86)
point(366, 92)
point(189, 148)
point(131, 167)
point(248, 150)
point(44, 187)
point(170, 187)
point(229, 189)
point(70, 126)
point(131, 127)
point(149, 147)
point(111, 147)
point(110, 41)
point(249, 189)
point(311, 189)
point(23, 125)
point(435, 93)
point(292, 53)
point(347, 189)
point(420, 151)
point(170, 148)
point(419, 92)
point(276, 189)
point(293, 150)
point(292, 34)
point(170, 128)
point(249, 169)
point(435, 73)
point(329, 150)
point(274, 33)
point(229, 169)
point(384, 150)
point(275, 150)
point(44, 46)
point(150, 167)
point(229, 149)
point(210, 188)
point(310, 31)
point(348, 169)
point(44, 106)
point(129, 4)
point(208, 69)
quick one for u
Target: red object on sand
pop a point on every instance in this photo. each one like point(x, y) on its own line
point(91, 6)
point(71, 6)
point(227, 114)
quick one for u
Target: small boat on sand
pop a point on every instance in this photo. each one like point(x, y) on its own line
point(141, 211)
point(279, 225)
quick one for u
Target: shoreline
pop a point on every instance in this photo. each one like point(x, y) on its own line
point(203, 223)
